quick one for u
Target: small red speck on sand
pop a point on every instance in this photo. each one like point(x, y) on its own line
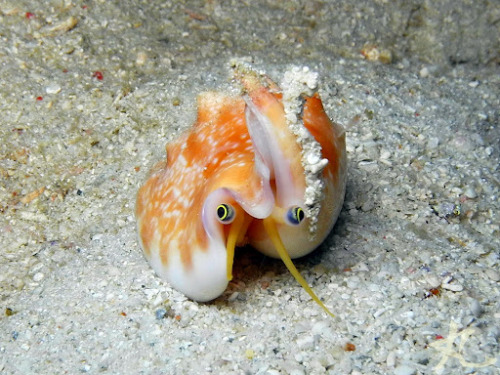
point(39, 98)
point(417, 114)
point(84, 7)
point(434, 291)
point(97, 74)
point(439, 337)
point(178, 318)
point(30, 15)
point(463, 198)
point(123, 313)
point(349, 347)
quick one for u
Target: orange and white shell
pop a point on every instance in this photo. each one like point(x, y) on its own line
point(265, 168)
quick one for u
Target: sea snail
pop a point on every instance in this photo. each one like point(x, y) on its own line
point(265, 168)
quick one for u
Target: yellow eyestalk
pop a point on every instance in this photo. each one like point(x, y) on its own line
point(235, 236)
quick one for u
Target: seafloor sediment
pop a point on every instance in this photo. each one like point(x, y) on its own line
point(90, 93)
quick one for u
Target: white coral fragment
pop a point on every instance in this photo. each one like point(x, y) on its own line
point(298, 82)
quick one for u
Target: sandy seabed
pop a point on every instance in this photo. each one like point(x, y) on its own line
point(90, 93)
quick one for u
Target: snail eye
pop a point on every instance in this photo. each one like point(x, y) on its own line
point(225, 213)
point(295, 215)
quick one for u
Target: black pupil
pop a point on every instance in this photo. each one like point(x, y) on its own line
point(299, 213)
point(295, 215)
point(222, 211)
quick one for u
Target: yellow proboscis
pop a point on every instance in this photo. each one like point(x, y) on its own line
point(236, 233)
point(272, 231)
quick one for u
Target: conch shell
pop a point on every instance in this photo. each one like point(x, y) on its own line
point(265, 168)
